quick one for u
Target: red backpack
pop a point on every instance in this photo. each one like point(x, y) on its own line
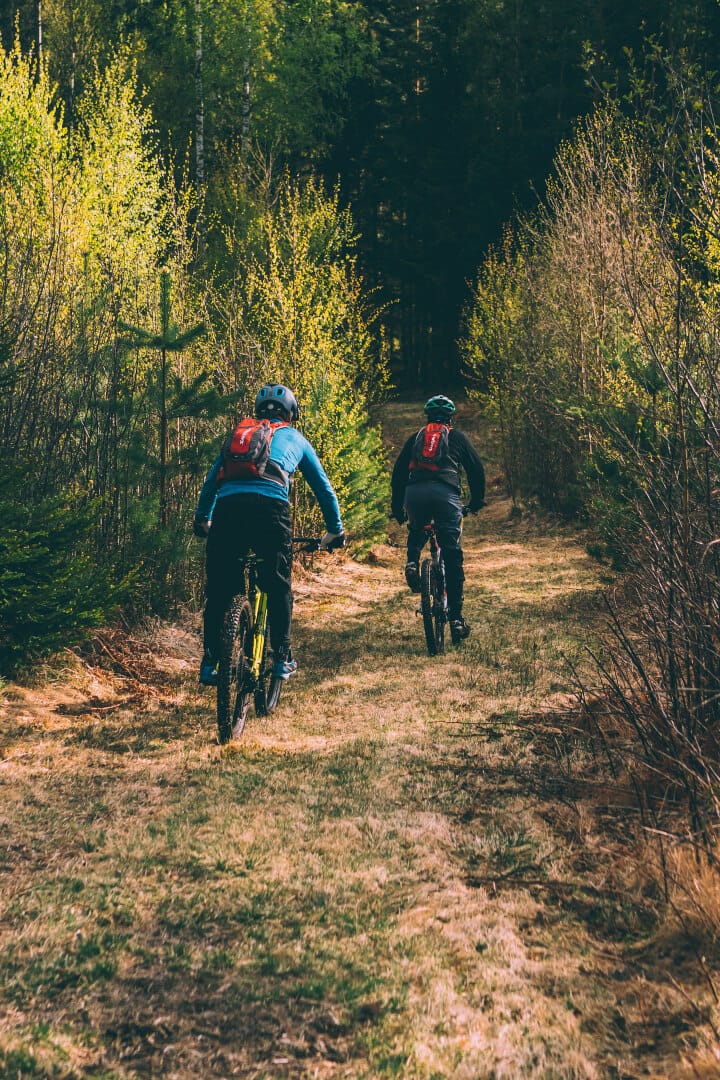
point(246, 450)
point(430, 449)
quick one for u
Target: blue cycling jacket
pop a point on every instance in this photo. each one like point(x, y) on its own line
point(291, 451)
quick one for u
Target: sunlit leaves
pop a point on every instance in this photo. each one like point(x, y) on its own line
point(304, 315)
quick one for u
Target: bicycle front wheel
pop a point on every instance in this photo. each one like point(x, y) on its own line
point(427, 604)
point(273, 694)
point(263, 686)
point(233, 692)
point(439, 607)
point(267, 694)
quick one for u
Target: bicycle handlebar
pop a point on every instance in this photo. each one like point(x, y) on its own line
point(309, 543)
point(312, 543)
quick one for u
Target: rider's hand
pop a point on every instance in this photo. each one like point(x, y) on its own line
point(332, 540)
point(201, 528)
point(399, 515)
point(472, 508)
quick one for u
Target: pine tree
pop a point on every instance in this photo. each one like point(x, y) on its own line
point(169, 340)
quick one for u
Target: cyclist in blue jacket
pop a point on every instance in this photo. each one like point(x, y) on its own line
point(237, 515)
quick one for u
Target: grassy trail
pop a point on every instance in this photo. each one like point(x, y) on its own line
point(392, 876)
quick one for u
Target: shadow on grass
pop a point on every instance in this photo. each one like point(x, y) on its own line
point(213, 960)
point(144, 732)
point(379, 632)
point(271, 1015)
point(227, 1019)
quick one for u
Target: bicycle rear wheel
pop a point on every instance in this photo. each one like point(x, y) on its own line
point(233, 693)
point(427, 604)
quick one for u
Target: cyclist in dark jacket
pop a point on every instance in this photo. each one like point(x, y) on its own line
point(421, 495)
point(238, 515)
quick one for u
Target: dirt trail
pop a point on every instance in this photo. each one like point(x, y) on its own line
point(404, 871)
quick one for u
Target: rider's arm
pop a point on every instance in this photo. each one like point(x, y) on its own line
point(208, 494)
point(322, 489)
point(398, 482)
point(473, 470)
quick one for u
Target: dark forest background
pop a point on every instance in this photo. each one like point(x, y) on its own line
point(437, 120)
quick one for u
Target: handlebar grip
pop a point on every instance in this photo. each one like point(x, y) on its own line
point(307, 543)
point(312, 543)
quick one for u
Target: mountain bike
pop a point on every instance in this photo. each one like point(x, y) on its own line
point(246, 661)
point(433, 595)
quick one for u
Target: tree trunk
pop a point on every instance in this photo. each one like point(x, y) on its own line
point(163, 441)
point(245, 116)
point(199, 99)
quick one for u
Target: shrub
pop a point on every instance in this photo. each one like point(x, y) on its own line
point(51, 589)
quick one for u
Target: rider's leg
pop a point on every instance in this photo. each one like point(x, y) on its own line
point(224, 573)
point(448, 525)
point(273, 543)
point(418, 497)
point(418, 504)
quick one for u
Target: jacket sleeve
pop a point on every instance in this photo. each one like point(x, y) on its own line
point(399, 480)
point(473, 470)
point(322, 489)
point(208, 494)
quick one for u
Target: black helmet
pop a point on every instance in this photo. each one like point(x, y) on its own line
point(439, 409)
point(276, 402)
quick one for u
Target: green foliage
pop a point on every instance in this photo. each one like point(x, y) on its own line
point(51, 588)
point(30, 124)
point(439, 118)
point(124, 208)
point(108, 393)
point(558, 337)
point(80, 408)
point(353, 456)
point(170, 339)
point(303, 315)
point(315, 50)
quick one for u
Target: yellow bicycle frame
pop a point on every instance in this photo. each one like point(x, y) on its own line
point(259, 631)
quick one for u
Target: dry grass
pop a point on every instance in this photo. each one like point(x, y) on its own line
point(414, 868)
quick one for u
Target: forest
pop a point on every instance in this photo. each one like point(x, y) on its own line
point(197, 197)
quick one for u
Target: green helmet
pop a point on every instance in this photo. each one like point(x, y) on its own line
point(439, 409)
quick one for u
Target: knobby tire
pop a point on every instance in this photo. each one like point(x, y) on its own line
point(439, 614)
point(432, 606)
point(268, 691)
point(427, 604)
point(273, 694)
point(233, 694)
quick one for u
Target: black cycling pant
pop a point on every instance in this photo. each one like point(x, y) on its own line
point(242, 523)
point(432, 501)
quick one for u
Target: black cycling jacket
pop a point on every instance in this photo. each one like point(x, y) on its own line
point(461, 455)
